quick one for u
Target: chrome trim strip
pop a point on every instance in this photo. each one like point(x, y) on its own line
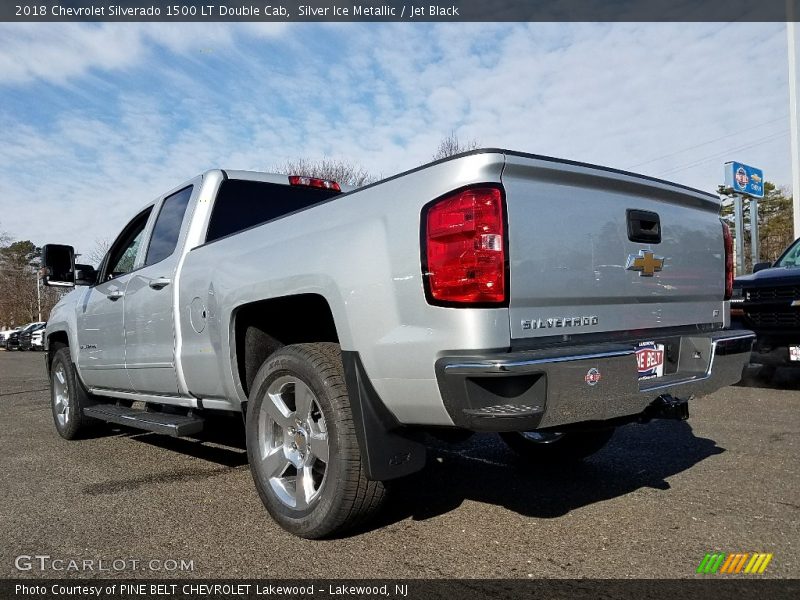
point(521, 365)
point(172, 400)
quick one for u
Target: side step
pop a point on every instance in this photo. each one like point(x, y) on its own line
point(164, 423)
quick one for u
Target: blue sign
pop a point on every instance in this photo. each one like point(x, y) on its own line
point(744, 179)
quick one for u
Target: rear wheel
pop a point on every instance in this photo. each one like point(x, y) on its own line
point(549, 447)
point(68, 398)
point(302, 446)
point(766, 373)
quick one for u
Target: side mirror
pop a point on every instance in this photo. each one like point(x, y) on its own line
point(58, 265)
point(761, 266)
point(85, 275)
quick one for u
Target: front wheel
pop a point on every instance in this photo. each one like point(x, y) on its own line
point(302, 446)
point(555, 447)
point(68, 398)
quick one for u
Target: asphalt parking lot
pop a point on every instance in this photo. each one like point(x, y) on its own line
point(651, 504)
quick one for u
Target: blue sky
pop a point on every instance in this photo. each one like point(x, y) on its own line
point(96, 119)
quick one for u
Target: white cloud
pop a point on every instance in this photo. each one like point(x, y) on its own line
point(230, 96)
point(59, 52)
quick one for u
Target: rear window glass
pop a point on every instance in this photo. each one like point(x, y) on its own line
point(241, 204)
point(168, 226)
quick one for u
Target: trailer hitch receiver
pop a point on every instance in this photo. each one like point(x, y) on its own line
point(668, 407)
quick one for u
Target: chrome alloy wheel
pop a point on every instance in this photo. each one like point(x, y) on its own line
point(292, 442)
point(61, 395)
point(542, 437)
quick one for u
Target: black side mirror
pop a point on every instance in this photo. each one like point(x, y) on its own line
point(85, 275)
point(58, 265)
point(761, 266)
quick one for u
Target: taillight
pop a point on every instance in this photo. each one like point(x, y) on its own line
point(314, 182)
point(464, 237)
point(726, 235)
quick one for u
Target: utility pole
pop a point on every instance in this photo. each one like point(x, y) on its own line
point(754, 250)
point(792, 50)
point(39, 297)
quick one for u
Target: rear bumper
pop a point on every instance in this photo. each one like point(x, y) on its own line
point(521, 391)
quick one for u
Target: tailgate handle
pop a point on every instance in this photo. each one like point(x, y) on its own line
point(643, 226)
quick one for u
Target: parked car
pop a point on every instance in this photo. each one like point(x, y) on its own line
point(768, 302)
point(37, 340)
point(5, 334)
point(457, 297)
point(26, 337)
point(14, 341)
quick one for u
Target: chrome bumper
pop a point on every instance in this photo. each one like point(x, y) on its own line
point(536, 389)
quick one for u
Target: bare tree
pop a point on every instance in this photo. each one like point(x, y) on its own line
point(19, 300)
point(341, 171)
point(452, 145)
point(96, 255)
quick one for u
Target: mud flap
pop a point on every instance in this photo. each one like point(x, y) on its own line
point(387, 449)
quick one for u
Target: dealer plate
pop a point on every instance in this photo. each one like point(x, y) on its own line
point(650, 360)
point(794, 353)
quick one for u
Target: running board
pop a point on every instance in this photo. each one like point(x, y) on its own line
point(157, 422)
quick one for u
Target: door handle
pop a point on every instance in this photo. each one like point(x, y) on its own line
point(115, 294)
point(159, 283)
point(644, 226)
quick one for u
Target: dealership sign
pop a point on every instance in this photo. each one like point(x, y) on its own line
point(744, 179)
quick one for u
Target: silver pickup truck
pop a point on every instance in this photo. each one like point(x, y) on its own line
point(546, 300)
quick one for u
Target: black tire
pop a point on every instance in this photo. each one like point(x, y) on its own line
point(567, 447)
point(766, 373)
point(70, 422)
point(344, 497)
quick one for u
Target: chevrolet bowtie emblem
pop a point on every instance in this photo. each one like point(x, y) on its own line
point(645, 262)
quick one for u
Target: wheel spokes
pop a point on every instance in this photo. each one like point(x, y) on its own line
point(274, 464)
point(293, 442)
point(303, 400)
point(304, 487)
point(277, 410)
point(318, 442)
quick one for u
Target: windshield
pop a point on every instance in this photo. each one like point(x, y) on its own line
point(791, 258)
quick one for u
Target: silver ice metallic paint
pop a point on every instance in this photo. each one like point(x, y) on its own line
point(568, 250)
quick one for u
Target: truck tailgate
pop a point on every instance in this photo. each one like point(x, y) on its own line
point(572, 265)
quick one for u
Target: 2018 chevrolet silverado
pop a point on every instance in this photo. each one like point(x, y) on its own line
point(546, 300)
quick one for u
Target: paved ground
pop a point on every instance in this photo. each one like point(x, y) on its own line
point(649, 505)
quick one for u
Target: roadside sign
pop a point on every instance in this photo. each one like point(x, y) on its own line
point(744, 179)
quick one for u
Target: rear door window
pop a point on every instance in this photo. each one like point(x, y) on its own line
point(168, 226)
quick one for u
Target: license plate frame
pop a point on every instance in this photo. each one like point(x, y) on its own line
point(650, 360)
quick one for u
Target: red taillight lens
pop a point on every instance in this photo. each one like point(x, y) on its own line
point(464, 236)
point(314, 182)
point(726, 234)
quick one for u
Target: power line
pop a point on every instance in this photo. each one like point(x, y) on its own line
point(736, 133)
point(727, 152)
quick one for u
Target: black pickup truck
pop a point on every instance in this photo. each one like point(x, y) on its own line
point(768, 302)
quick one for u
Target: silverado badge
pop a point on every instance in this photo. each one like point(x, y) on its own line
point(645, 262)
